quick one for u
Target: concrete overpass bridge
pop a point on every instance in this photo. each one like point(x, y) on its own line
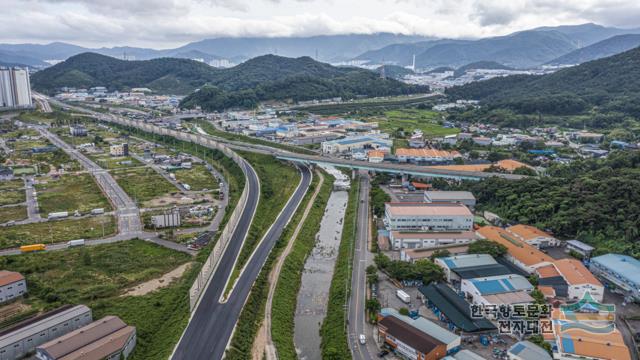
point(216, 142)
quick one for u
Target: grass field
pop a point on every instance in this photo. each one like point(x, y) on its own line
point(412, 119)
point(143, 184)
point(12, 213)
point(105, 161)
point(12, 192)
point(57, 231)
point(198, 178)
point(70, 193)
point(97, 276)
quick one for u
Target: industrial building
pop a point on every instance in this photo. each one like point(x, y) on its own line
point(526, 350)
point(579, 247)
point(352, 143)
point(494, 290)
point(579, 280)
point(25, 336)
point(533, 236)
point(77, 130)
point(430, 156)
point(448, 306)
point(428, 217)
point(451, 340)
point(12, 285)
point(462, 197)
point(410, 341)
point(521, 254)
point(169, 219)
point(15, 88)
point(452, 263)
point(417, 240)
point(623, 271)
point(413, 255)
point(108, 338)
point(119, 149)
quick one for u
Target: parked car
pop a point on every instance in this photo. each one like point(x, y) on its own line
point(383, 353)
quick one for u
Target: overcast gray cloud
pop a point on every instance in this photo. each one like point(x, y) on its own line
point(168, 23)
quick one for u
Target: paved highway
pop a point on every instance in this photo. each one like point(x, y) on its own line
point(212, 322)
point(356, 314)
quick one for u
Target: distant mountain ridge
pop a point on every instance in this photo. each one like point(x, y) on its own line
point(610, 84)
point(601, 49)
point(523, 49)
point(267, 77)
point(479, 65)
point(332, 48)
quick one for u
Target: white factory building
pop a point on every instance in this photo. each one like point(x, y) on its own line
point(428, 217)
point(425, 240)
point(15, 88)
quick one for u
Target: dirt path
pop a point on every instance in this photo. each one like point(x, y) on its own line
point(157, 283)
point(263, 343)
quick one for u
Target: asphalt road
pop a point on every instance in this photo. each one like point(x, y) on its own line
point(126, 209)
point(361, 259)
point(212, 323)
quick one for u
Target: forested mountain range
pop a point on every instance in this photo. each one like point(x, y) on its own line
point(330, 48)
point(608, 47)
point(610, 84)
point(522, 49)
point(263, 78)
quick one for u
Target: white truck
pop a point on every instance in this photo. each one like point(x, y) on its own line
point(186, 186)
point(97, 211)
point(403, 296)
point(73, 243)
point(58, 215)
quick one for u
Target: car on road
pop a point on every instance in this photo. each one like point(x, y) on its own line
point(363, 339)
point(383, 353)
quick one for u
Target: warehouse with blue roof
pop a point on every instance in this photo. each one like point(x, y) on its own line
point(619, 272)
point(501, 289)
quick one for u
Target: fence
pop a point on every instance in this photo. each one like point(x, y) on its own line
point(225, 236)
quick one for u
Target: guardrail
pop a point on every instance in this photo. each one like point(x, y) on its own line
point(225, 236)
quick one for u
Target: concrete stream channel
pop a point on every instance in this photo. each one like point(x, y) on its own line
point(316, 278)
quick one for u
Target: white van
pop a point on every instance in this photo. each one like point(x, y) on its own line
point(363, 339)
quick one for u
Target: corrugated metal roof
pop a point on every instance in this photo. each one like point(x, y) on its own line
point(527, 350)
point(501, 284)
point(463, 261)
point(457, 310)
point(9, 277)
point(79, 338)
point(426, 326)
point(449, 195)
point(623, 265)
point(45, 323)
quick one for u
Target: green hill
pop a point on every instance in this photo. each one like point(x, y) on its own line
point(176, 76)
point(267, 77)
point(480, 65)
point(610, 84)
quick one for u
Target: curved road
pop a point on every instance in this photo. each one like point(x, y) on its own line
point(212, 323)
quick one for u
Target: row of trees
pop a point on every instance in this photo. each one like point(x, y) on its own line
point(594, 200)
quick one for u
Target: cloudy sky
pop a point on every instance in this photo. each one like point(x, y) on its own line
point(169, 23)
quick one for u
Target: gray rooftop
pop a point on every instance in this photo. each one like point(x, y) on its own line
point(580, 245)
point(623, 265)
point(527, 350)
point(426, 326)
point(38, 326)
point(462, 261)
point(449, 195)
point(466, 355)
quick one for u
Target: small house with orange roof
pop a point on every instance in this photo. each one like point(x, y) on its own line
point(375, 156)
point(12, 285)
point(524, 256)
